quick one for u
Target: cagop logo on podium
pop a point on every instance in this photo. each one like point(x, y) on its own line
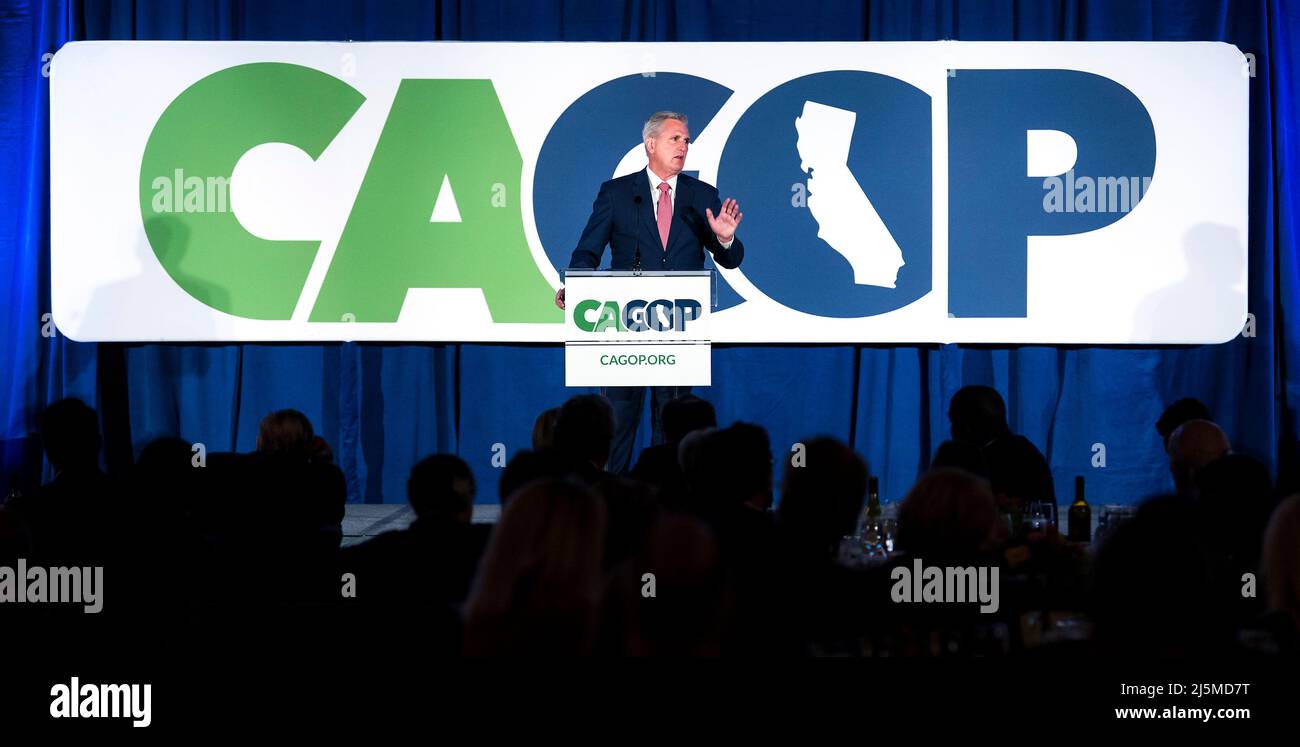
point(637, 328)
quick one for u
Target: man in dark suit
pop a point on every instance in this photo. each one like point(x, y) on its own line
point(655, 219)
point(983, 443)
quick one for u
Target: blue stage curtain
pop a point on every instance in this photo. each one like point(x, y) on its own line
point(384, 406)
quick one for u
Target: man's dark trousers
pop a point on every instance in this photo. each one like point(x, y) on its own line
point(628, 401)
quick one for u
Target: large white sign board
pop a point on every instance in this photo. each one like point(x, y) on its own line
point(1083, 193)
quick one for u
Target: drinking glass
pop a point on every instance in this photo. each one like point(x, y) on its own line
point(1037, 517)
point(873, 541)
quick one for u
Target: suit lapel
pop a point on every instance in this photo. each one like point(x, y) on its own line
point(646, 214)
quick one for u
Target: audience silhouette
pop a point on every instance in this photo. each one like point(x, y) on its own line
point(982, 443)
point(1178, 413)
point(658, 465)
point(1192, 446)
point(686, 557)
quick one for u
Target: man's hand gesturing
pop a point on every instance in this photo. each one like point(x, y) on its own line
point(728, 218)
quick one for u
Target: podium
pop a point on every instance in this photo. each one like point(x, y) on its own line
point(632, 328)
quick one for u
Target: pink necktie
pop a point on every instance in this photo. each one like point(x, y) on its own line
point(664, 217)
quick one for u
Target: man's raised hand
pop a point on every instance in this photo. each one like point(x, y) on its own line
point(725, 223)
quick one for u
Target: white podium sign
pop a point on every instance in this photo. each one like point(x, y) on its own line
point(637, 329)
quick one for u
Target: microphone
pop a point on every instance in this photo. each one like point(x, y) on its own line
point(636, 235)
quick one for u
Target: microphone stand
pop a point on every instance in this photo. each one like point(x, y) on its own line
point(636, 236)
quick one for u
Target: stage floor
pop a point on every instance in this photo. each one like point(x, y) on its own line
point(364, 520)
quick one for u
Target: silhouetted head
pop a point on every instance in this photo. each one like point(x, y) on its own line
point(165, 459)
point(823, 490)
point(685, 414)
point(285, 432)
point(689, 453)
point(1185, 409)
point(319, 450)
point(166, 480)
point(690, 448)
point(527, 466)
point(1193, 445)
point(539, 585)
point(165, 455)
point(70, 435)
point(684, 618)
point(584, 428)
point(730, 468)
point(978, 415)
point(948, 513)
point(1281, 559)
point(960, 455)
point(544, 429)
point(441, 489)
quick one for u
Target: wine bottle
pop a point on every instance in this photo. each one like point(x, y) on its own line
point(1080, 515)
point(870, 531)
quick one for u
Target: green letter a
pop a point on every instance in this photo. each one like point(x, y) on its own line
point(438, 130)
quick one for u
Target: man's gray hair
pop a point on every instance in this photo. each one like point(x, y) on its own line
point(656, 121)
